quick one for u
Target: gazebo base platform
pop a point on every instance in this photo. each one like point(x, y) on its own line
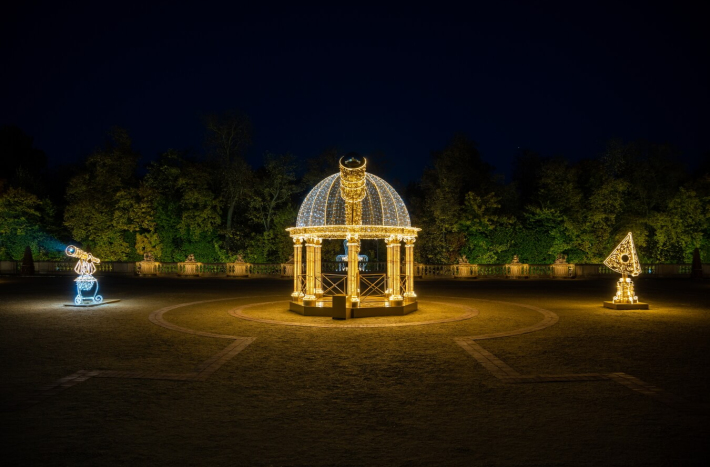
point(369, 310)
point(626, 306)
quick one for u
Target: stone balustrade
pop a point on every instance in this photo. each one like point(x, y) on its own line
point(285, 270)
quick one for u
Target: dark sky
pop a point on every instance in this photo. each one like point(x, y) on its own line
point(557, 78)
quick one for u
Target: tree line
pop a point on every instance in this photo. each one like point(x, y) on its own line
point(217, 206)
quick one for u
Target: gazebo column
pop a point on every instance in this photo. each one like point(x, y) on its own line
point(310, 298)
point(388, 278)
point(353, 270)
point(297, 267)
point(393, 270)
point(317, 244)
point(409, 267)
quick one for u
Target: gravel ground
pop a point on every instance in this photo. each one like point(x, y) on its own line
point(353, 396)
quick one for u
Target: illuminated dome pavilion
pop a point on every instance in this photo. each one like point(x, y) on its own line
point(353, 205)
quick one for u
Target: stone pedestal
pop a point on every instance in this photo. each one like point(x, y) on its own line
point(466, 271)
point(563, 270)
point(625, 298)
point(238, 269)
point(627, 306)
point(148, 268)
point(517, 271)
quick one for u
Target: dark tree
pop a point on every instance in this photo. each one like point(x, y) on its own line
point(228, 135)
point(21, 164)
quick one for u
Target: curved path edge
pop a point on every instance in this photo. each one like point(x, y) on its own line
point(549, 319)
point(156, 317)
point(237, 313)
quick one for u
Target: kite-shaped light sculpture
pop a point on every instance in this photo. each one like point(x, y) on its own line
point(624, 260)
point(85, 267)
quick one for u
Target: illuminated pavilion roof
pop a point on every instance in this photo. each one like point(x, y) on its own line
point(324, 206)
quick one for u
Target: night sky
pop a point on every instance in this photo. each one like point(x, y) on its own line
point(559, 79)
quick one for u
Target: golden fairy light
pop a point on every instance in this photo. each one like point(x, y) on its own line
point(353, 205)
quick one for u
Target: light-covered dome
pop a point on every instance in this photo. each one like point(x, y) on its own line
point(381, 206)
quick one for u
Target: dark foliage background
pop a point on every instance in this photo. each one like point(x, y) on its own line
point(216, 205)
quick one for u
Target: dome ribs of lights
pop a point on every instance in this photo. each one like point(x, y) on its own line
point(324, 211)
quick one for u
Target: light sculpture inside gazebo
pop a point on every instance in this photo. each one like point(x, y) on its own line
point(353, 205)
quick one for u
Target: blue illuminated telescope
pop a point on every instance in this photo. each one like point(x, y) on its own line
point(86, 281)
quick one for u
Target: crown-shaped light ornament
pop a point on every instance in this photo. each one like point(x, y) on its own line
point(624, 260)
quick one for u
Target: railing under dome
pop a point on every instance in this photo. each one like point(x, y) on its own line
point(342, 266)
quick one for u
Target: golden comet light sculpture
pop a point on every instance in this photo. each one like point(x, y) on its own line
point(624, 260)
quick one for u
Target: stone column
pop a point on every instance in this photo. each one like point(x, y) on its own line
point(388, 278)
point(393, 266)
point(297, 268)
point(317, 243)
point(353, 271)
point(310, 298)
point(409, 267)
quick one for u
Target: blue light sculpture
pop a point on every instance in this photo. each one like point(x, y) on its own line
point(86, 280)
point(362, 259)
